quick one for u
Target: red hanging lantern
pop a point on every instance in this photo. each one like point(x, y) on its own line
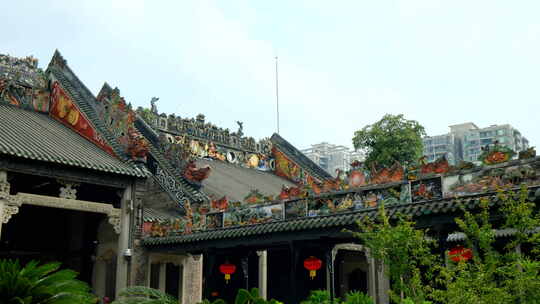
point(459, 253)
point(312, 264)
point(227, 269)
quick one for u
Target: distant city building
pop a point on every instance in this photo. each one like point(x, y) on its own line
point(331, 157)
point(464, 142)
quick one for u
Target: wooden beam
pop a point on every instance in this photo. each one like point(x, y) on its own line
point(53, 170)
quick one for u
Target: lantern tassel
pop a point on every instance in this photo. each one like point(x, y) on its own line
point(227, 278)
point(312, 274)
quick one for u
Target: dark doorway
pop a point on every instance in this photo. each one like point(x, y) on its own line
point(51, 234)
point(216, 285)
point(351, 272)
point(172, 280)
point(279, 275)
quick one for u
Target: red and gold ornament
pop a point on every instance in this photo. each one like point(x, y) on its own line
point(459, 253)
point(312, 264)
point(227, 269)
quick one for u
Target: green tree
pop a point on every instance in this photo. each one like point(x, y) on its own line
point(41, 284)
point(406, 253)
point(393, 138)
point(497, 276)
point(510, 275)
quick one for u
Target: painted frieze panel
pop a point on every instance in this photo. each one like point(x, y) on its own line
point(253, 215)
point(167, 228)
point(64, 110)
point(491, 179)
point(295, 209)
point(426, 189)
point(320, 206)
point(214, 220)
point(399, 194)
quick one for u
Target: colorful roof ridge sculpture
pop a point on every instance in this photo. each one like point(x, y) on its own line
point(435, 182)
point(119, 117)
point(495, 154)
point(23, 84)
point(184, 140)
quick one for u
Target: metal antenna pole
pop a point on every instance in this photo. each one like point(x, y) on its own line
point(277, 95)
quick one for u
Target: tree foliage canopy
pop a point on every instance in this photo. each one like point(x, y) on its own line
point(493, 275)
point(393, 138)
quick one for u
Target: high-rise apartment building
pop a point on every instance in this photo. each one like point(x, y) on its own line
point(464, 142)
point(332, 157)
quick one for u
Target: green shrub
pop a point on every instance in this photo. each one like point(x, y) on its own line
point(143, 295)
point(319, 297)
point(34, 284)
point(356, 297)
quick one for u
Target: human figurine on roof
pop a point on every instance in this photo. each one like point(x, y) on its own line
point(153, 104)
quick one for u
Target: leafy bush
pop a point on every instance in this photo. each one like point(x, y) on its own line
point(319, 297)
point(246, 297)
point(356, 297)
point(143, 295)
point(33, 284)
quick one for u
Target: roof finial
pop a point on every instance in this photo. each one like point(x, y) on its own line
point(58, 60)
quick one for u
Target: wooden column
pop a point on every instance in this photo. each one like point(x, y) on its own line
point(294, 260)
point(263, 257)
point(208, 266)
point(192, 291)
point(3, 189)
point(244, 262)
point(123, 262)
point(330, 273)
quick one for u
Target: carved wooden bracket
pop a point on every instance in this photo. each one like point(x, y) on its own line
point(7, 212)
point(10, 203)
point(68, 191)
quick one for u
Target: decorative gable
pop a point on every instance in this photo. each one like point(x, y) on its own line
point(66, 111)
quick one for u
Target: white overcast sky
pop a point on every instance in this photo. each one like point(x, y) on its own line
point(342, 64)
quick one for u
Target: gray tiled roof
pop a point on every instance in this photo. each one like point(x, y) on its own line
point(155, 153)
point(36, 136)
point(84, 99)
point(340, 220)
point(236, 182)
point(154, 215)
point(308, 223)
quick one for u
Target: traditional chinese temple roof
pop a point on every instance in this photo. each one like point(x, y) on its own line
point(157, 156)
point(328, 223)
point(236, 182)
point(36, 136)
point(82, 96)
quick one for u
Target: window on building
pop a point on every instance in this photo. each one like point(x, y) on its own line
point(500, 132)
point(154, 275)
point(486, 141)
